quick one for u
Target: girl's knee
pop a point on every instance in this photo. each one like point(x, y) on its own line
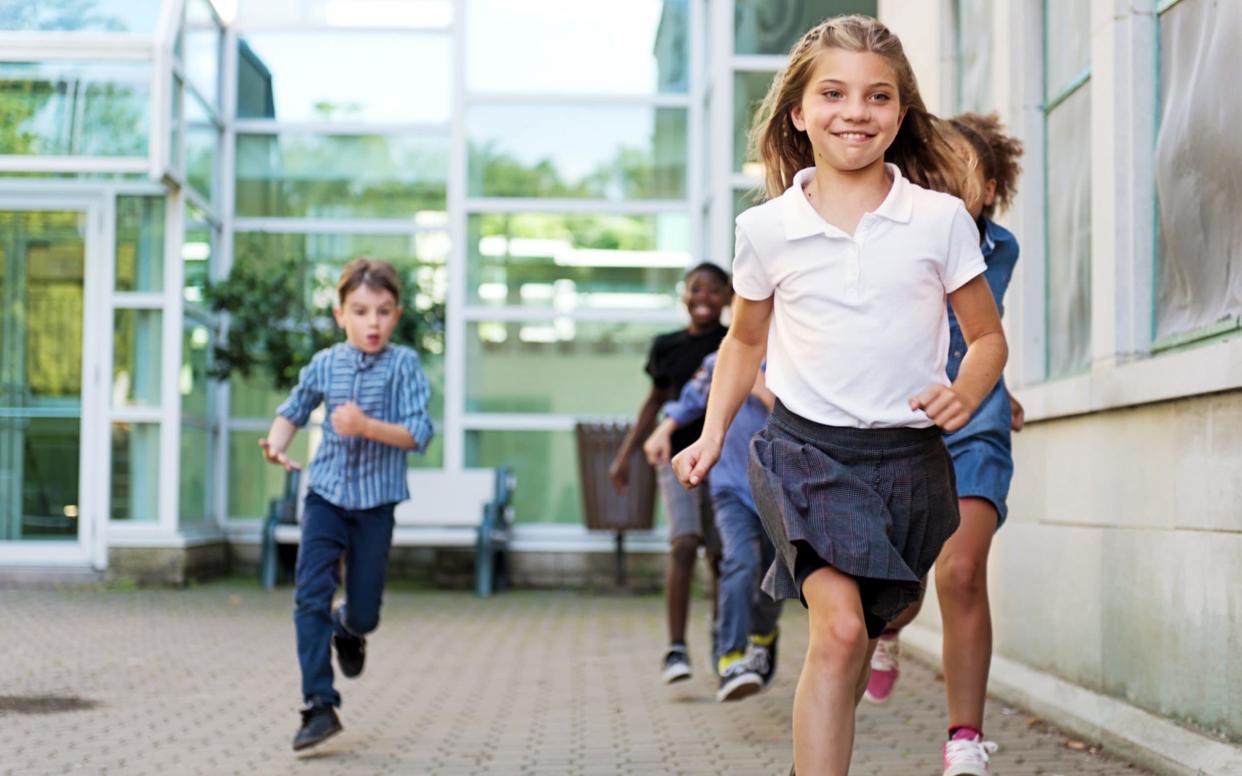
point(962, 577)
point(839, 642)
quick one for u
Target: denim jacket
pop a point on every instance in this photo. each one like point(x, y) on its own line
point(1000, 252)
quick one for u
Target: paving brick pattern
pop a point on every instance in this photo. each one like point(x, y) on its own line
point(204, 681)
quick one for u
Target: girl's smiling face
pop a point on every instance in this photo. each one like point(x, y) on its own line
point(705, 297)
point(850, 109)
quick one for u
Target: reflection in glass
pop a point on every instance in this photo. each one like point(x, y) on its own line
point(524, 45)
point(136, 355)
point(202, 50)
point(573, 262)
point(749, 89)
point(196, 343)
point(75, 108)
point(196, 253)
point(202, 141)
point(139, 243)
point(1069, 236)
point(414, 84)
point(127, 16)
point(42, 259)
point(135, 472)
point(558, 366)
point(194, 483)
point(1067, 33)
point(253, 482)
point(340, 176)
point(617, 153)
point(974, 55)
point(546, 465)
point(773, 26)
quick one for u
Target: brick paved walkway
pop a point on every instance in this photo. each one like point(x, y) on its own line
point(205, 681)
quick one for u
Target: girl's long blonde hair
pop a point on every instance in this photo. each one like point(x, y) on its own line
point(922, 150)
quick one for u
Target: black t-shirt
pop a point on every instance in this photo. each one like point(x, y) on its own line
point(673, 360)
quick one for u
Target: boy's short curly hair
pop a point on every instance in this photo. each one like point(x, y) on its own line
point(375, 274)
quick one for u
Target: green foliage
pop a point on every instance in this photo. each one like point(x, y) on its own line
point(280, 315)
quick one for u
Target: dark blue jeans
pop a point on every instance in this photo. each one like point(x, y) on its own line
point(329, 532)
point(747, 554)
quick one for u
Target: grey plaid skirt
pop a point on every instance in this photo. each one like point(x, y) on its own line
point(876, 504)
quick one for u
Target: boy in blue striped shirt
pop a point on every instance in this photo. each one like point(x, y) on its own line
point(376, 397)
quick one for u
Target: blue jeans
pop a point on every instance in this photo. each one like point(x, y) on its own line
point(744, 608)
point(363, 536)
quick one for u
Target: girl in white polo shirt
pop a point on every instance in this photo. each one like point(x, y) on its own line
point(842, 275)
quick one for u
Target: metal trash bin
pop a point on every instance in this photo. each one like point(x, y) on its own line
point(602, 508)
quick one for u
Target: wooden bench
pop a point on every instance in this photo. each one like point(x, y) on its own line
point(469, 508)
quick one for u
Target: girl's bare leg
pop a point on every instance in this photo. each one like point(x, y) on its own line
point(836, 658)
point(962, 585)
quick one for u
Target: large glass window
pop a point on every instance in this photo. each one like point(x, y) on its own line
point(749, 89)
point(136, 354)
point(1199, 170)
point(1067, 96)
point(75, 108)
point(202, 141)
point(607, 152)
point(340, 176)
point(569, 262)
point(404, 14)
point(557, 366)
point(413, 84)
point(773, 26)
point(202, 50)
point(577, 47)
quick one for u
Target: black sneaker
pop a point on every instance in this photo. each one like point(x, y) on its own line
point(764, 658)
point(738, 681)
point(351, 650)
point(319, 723)
point(676, 664)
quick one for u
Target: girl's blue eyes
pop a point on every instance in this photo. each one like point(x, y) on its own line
point(834, 95)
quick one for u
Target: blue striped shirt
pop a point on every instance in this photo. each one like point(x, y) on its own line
point(729, 473)
point(353, 472)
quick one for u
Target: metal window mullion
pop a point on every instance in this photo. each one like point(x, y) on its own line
point(94, 479)
point(507, 421)
point(382, 226)
point(170, 386)
point(279, 127)
point(1075, 83)
point(139, 300)
point(37, 46)
point(137, 165)
point(455, 324)
point(480, 313)
point(576, 206)
point(720, 123)
point(754, 63)
point(695, 132)
point(658, 100)
point(222, 260)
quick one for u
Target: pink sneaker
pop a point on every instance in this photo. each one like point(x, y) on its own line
point(884, 670)
point(967, 756)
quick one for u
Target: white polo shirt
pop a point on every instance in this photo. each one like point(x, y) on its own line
point(860, 323)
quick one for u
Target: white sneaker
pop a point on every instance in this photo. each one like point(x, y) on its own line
point(967, 756)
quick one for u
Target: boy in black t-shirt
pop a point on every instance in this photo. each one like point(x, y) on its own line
point(673, 360)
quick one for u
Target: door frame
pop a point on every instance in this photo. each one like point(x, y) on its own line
point(90, 549)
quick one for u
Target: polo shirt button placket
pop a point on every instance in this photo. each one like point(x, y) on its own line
point(855, 269)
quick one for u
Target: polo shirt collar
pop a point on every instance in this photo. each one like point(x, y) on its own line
point(802, 220)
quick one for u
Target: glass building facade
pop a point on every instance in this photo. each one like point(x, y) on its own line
point(545, 170)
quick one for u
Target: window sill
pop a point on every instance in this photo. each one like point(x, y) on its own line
point(1210, 368)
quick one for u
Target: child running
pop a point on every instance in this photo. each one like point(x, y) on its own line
point(673, 359)
point(984, 467)
point(376, 397)
point(843, 276)
point(746, 552)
